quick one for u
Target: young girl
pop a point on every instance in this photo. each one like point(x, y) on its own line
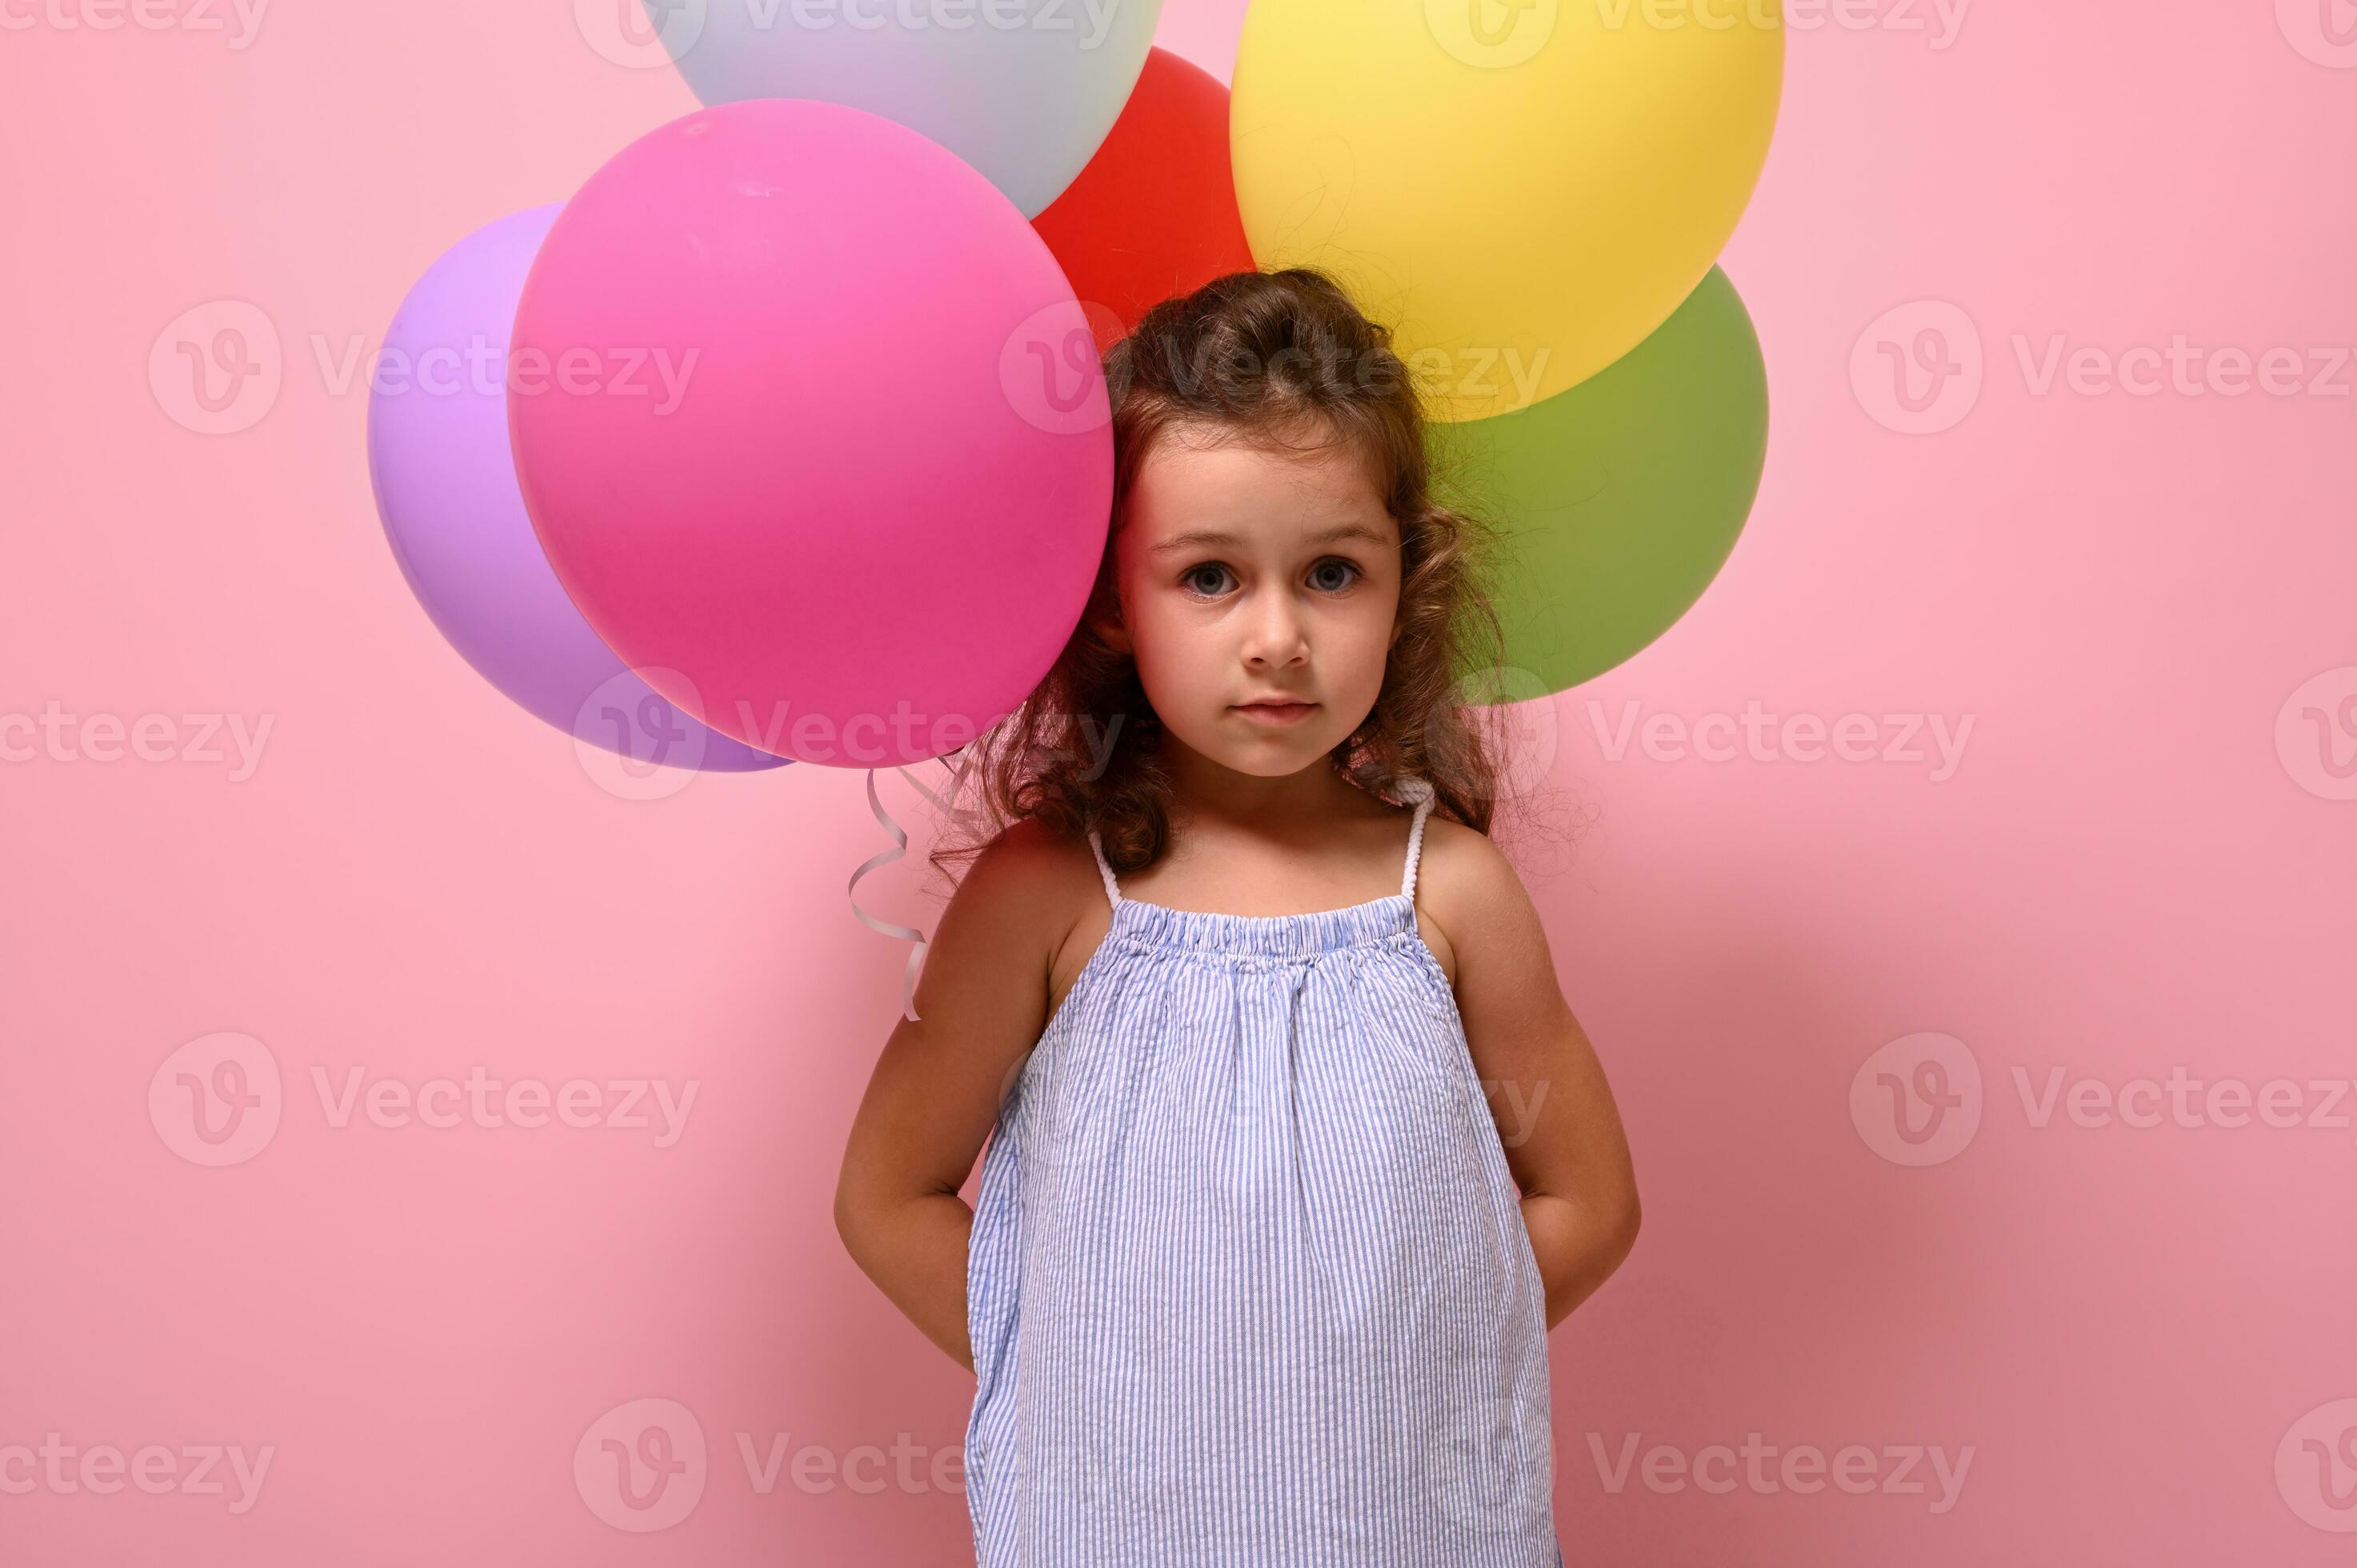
point(1296, 1152)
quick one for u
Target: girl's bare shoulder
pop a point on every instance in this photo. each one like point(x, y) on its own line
point(1464, 886)
point(1463, 851)
point(1037, 893)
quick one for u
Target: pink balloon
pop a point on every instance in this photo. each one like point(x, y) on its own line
point(813, 431)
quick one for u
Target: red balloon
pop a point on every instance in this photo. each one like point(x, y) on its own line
point(1154, 213)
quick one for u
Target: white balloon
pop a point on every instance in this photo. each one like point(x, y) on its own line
point(1025, 91)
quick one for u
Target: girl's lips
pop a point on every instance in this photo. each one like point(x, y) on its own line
point(1277, 713)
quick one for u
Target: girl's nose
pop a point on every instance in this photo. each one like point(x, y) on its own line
point(1277, 636)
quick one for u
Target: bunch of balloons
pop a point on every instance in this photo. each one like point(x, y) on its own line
point(785, 437)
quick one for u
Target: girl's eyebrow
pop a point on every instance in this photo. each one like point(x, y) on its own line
point(1200, 538)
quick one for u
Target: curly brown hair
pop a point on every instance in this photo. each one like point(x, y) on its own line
point(1264, 357)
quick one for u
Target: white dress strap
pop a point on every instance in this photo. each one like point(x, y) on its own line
point(1112, 888)
point(1420, 791)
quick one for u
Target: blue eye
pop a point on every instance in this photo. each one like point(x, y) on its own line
point(1350, 570)
point(1190, 577)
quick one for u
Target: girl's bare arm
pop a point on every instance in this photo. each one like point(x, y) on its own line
point(936, 1087)
point(1555, 1117)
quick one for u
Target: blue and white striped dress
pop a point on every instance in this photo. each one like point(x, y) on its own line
point(1248, 1284)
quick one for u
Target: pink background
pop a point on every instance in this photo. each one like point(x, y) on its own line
point(2142, 864)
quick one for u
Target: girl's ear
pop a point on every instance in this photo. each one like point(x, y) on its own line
point(1113, 633)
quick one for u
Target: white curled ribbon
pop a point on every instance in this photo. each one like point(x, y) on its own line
point(886, 857)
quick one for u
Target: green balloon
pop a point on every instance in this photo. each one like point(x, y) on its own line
point(1617, 501)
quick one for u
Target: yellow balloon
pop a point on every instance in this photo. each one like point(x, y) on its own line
point(1523, 189)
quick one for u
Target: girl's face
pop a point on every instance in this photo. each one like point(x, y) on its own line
point(1249, 578)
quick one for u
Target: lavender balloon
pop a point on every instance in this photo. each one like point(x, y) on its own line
point(446, 487)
